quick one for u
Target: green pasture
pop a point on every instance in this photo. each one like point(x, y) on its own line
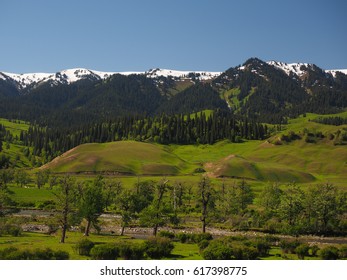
point(126, 157)
point(14, 127)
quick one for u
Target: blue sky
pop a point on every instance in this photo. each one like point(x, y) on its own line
point(136, 35)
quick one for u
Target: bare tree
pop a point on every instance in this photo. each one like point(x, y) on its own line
point(67, 198)
point(205, 198)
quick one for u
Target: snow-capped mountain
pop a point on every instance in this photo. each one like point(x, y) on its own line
point(288, 68)
point(23, 81)
point(200, 75)
point(31, 80)
point(333, 72)
point(299, 69)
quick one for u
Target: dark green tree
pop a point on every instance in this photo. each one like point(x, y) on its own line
point(42, 178)
point(292, 205)
point(127, 206)
point(91, 203)
point(111, 191)
point(158, 212)
point(21, 177)
point(67, 198)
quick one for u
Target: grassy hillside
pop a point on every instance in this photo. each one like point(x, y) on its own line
point(127, 157)
point(274, 159)
point(14, 148)
point(296, 160)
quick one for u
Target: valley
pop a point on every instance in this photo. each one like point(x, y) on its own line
point(250, 163)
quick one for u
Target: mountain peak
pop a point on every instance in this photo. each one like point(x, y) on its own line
point(200, 75)
point(295, 68)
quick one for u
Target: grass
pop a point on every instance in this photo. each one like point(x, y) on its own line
point(41, 241)
point(181, 251)
point(15, 149)
point(32, 241)
point(127, 157)
point(31, 195)
point(253, 160)
point(15, 127)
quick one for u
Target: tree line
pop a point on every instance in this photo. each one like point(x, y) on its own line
point(319, 209)
point(197, 128)
point(331, 120)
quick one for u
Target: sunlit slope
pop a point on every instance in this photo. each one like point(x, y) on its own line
point(266, 160)
point(297, 160)
point(125, 157)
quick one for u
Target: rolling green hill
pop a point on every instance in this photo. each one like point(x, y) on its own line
point(314, 152)
point(125, 157)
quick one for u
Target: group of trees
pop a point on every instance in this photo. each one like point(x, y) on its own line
point(331, 120)
point(4, 160)
point(321, 209)
point(164, 129)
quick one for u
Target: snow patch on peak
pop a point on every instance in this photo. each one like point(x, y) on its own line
point(333, 72)
point(25, 80)
point(295, 68)
point(3, 76)
point(200, 75)
point(300, 68)
point(73, 75)
point(69, 76)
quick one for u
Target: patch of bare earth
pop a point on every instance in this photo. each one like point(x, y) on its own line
point(65, 156)
point(215, 168)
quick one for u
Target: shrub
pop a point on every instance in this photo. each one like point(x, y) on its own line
point(302, 251)
point(157, 248)
point(13, 253)
point(6, 252)
point(289, 246)
point(199, 170)
point(167, 234)
point(329, 253)
point(263, 247)
point(343, 252)
point(83, 247)
point(46, 254)
point(250, 253)
point(314, 250)
point(182, 237)
point(229, 249)
point(272, 239)
point(216, 250)
point(104, 252)
point(61, 255)
point(132, 251)
point(196, 238)
point(12, 230)
point(203, 244)
point(244, 252)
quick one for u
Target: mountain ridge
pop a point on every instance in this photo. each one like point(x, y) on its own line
point(68, 76)
point(26, 81)
point(266, 91)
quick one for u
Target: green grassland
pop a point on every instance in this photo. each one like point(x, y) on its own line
point(182, 251)
point(14, 127)
point(257, 161)
point(262, 161)
point(15, 150)
point(125, 157)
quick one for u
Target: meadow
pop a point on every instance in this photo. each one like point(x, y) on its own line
point(302, 151)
